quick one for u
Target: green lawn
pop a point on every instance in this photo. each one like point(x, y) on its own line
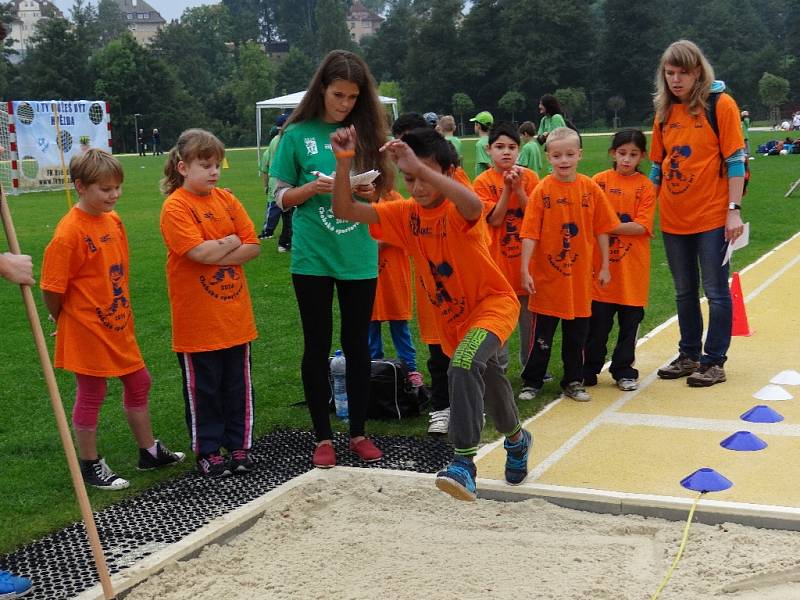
point(37, 494)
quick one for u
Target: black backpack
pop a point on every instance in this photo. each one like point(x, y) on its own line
point(390, 393)
point(711, 117)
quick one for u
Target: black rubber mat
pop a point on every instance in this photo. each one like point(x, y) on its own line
point(61, 564)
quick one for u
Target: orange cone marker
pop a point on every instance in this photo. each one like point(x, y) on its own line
point(740, 325)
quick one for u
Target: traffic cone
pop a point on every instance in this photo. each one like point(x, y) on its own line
point(739, 325)
point(225, 163)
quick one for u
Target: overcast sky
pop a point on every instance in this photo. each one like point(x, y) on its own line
point(169, 9)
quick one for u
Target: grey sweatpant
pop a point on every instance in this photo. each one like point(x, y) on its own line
point(477, 383)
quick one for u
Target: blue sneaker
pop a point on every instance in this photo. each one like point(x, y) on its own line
point(517, 458)
point(12, 586)
point(458, 479)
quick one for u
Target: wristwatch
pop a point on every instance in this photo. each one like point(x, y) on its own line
point(734, 206)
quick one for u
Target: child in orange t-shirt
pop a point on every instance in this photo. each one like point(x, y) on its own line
point(564, 215)
point(504, 190)
point(632, 196)
point(209, 236)
point(475, 307)
point(393, 304)
point(85, 286)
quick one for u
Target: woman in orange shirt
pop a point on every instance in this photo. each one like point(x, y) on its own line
point(699, 177)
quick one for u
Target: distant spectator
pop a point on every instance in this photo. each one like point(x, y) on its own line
point(796, 121)
point(140, 142)
point(156, 143)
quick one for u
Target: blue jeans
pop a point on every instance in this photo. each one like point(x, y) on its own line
point(401, 338)
point(688, 257)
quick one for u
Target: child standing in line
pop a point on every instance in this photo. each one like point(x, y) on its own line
point(483, 122)
point(632, 196)
point(475, 307)
point(393, 304)
point(564, 215)
point(530, 156)
point(85, 287)
point(209, 236)
point(504, 189)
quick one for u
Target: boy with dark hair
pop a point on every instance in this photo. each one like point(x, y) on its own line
point(504, 191)
point(406, 122)
point(474, 310)
point(483, 122)
point(565, 212)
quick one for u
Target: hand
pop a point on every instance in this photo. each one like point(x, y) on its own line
point(733, 226)
point(512, 177)
point(344, 139)
point(323, 184)
point(403, 156)
point(366, 191)
point(234, 240)
point(17, 268)
point(527, 282)
point(604, 277)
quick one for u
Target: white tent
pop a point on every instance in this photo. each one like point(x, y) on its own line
point(292, 100)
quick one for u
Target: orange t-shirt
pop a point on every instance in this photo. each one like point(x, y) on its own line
point(87, 262)
point(693, 197)
point(460, 175)
point(393, 294)
point(210, 304)
point(633, 198)
point(565, 218)
point(461, 281)
point(505, 245)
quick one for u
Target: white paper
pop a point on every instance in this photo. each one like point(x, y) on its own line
point(772, 392)
point(790, 377)
point(740, 242)
point(359, 179)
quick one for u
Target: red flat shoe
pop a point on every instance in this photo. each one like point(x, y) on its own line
point(324, 456)
point(366, 450)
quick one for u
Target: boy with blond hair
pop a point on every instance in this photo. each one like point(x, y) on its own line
point(564, 215)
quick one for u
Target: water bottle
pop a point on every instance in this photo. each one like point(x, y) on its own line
point(338, 370)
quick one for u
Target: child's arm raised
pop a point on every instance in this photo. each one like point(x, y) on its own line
point(345, 207)
point(465, 200)
point(211, 252)
point(604, 276)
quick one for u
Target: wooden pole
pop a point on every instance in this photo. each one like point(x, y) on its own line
point(60, 144)
point(58, 410)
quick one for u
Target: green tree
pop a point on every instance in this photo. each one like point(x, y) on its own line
point(294, 72)
point(253, 80)
point(391, 89)
point(616, 104)
point(247, 18)
point(572, 100)
point(774, 91)
point(461, 104)
point(332, 31)
point(111, 21)
point(512, 102)
point(387, 50)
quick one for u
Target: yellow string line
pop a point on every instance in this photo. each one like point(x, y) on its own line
point(60, 144)
point(680, 550)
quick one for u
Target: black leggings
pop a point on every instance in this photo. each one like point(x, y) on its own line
point(315, 301)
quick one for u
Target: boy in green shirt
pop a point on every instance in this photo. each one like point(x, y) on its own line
point(447, 127)
point(530, 156)
point(483, 123)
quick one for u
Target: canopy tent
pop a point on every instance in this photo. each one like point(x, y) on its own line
point(292, 100)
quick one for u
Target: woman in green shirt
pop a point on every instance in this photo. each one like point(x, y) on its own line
point(552, 117)
point(329, 253)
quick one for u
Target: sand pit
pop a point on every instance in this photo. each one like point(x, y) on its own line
point(354, 536)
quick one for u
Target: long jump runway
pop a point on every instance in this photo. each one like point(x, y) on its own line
point(632, 449)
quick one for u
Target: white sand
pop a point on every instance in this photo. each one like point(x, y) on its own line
point(378, 536)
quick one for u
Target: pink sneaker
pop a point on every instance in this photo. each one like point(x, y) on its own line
point(324, 456)
point(415, 379)
point(366, 450)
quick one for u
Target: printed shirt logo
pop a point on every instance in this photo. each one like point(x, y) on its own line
point(563, 261)
point(311, 146)
point(225, 284)
point(90, 244)
point(451, 308)
point(510, 244)
point(331, 223)
point(618, 248)
point(677, 179)
point(118, 314)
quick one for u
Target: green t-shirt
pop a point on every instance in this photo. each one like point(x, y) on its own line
point(456, 143)
point(547, 124)
point(321, 244)
point(268, 154)
point(531, 157)
point(482, 159)
point(746, 127)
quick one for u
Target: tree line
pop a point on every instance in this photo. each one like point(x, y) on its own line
point(210, 67)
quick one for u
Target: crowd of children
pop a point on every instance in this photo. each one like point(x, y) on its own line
point(505, 251)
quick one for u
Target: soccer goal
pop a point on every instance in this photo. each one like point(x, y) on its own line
point(39, 137)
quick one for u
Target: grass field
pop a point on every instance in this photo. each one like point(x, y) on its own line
point(37, 496)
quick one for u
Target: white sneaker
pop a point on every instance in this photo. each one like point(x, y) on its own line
point(627, 385)
point(527, 393)
point(439, 421)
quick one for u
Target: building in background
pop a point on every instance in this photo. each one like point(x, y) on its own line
point(361, 21)
point(143, 20)
point(27, 14)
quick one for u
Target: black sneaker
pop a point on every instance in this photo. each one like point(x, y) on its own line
point(241, 461)
point(98, 474)
point(213, 466)
point(265, 235)
point(163, 458)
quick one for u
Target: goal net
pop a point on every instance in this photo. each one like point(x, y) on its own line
point(40, 137)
